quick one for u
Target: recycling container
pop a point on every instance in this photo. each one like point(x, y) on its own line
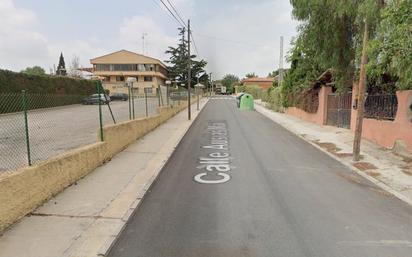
point(246, 102)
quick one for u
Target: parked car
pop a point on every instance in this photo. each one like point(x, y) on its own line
point(119, 97)
point(95, 98)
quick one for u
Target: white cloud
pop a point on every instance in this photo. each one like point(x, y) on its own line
point(256, 26)
point(250, 31)
point(20, 44)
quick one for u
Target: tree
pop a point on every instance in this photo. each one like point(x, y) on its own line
point(229, 81)
point(35, 70)
point(273, 74)
point(251, 75)
point(331, 33)
point(178, 62)
point(74, 67)
point(390, 51)
point(61, 68)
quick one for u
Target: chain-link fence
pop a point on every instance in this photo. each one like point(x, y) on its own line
point(132, 105)
point(35, 127)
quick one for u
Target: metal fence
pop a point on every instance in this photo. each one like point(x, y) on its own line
point(35, 127)
point(381, 106)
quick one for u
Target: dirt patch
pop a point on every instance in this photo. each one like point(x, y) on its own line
point(373, 173)
point(333, 149)
point(365, 166)
point(407, 170)
point(344, 155)
point(351, 177)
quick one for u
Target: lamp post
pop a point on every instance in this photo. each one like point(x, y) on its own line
point(168, 83)
point(211, 84)
point(129, 83)
point(197, 87)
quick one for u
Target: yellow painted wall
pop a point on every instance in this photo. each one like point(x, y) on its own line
point(24, 190)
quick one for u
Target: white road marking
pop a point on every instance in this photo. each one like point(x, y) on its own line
point(217, 164)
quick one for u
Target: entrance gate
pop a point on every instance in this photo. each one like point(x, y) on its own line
point(339, 110)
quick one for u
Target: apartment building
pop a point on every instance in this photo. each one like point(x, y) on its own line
point(116, 67)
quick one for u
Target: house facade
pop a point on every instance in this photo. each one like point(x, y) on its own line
point(117, 67)
point(263, 83)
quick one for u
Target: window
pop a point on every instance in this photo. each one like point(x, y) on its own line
point(148, 90)
point(102, 67)
point(148, 78)
point(107, 78)
point(119, 78)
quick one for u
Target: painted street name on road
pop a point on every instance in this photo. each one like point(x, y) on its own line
point(216, 165)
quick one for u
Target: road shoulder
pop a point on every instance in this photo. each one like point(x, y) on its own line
point(86, 218)
point(390, 172)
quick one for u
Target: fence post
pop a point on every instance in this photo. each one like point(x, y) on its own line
point(26, 125)
point(197, 94)
point(145, 98)
point(167, 94)
point(100, 112)
point(130, 106)
point(133, 102)
point(158, 95)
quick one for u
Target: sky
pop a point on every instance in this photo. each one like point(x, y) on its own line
point(233, 36)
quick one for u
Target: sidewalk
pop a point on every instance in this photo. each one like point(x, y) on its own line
point(85, 219)
point(391, 172)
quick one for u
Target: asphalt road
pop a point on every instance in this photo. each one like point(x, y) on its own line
point(282, 197)
point(56, 130)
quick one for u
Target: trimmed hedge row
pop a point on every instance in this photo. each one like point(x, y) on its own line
point(13, 82)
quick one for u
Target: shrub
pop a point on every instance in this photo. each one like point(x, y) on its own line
point(254, 90)
point(13, 82)
point(273, 98)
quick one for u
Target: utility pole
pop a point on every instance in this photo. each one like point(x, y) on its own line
point(361, 97)
point(211, 84)
point(197, 92)
point(280, 76)
point(189, 72)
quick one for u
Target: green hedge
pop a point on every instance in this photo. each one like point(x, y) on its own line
point(273, 98)
point(253, 90)
point(13, 82)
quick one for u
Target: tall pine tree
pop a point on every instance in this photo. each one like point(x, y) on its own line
point(61, 68)
point(178, 62)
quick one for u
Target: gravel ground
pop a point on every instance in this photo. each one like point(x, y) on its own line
point(55, 130)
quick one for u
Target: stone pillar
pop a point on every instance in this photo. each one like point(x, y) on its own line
point(323, 105)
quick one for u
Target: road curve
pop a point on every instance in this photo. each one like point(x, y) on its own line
point(240, 185)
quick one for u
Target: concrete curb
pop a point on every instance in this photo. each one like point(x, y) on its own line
point(264, 111)
point(105, 249)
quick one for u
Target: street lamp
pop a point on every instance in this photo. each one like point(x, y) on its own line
point(197, 87)
point(129, 84)
point(168, 83)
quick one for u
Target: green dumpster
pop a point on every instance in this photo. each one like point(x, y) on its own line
point(246, 102)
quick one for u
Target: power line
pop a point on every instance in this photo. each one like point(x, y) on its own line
point(169, 13)
point(176, 11)
point(174, 16)
point(181, 19)
point(194, 43)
